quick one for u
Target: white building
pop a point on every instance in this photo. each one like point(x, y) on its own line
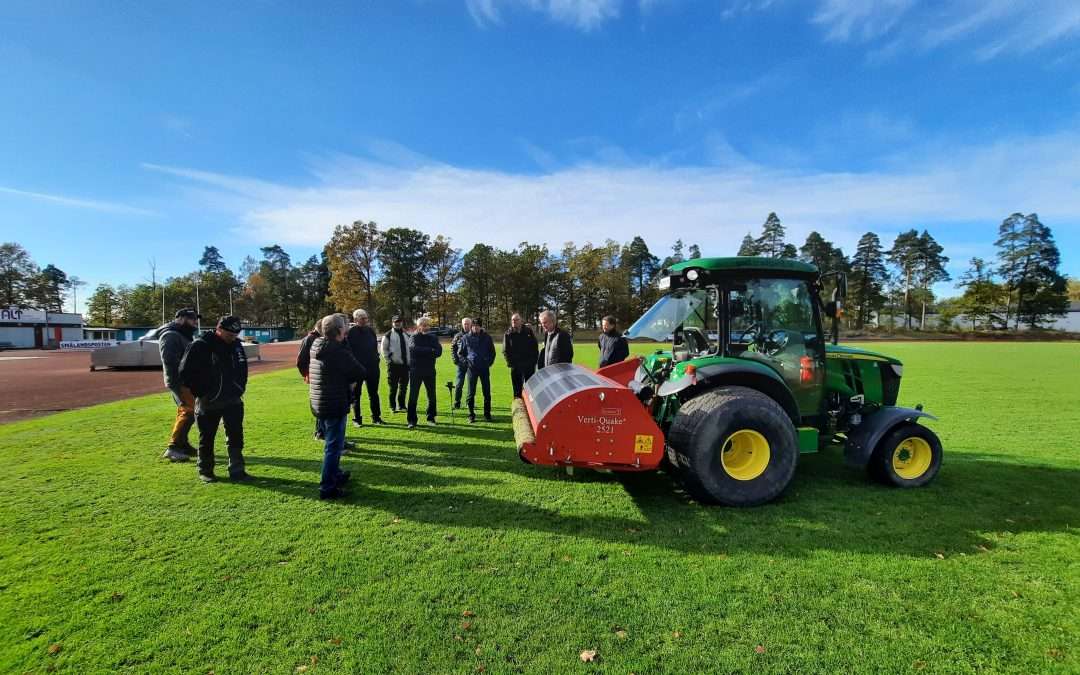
point(29, 328)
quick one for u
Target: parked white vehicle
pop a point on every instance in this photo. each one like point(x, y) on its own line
point(144, 353)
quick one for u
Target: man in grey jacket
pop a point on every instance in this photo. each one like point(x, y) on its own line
point(173, 342)
point(395, 351)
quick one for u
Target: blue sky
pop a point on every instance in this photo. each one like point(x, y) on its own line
point(135, 130)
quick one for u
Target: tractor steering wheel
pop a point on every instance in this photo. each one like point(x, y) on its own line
point(751, 334)
point(776, 341)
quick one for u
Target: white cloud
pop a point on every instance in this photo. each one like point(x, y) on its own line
point(93, 205)
point(711, 205)
point(585, 15)
point(859, 20)
point(991, 28)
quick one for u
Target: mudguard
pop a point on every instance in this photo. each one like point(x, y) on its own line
point(862, 440)
point(749, 374)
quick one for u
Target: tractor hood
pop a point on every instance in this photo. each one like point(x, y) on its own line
point(844, 352)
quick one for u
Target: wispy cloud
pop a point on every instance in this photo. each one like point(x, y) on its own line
point(713, 205)
point(94, 205)
point(585, 15)
point(990, 28)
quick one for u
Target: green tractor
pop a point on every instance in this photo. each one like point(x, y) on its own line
point(751, 380)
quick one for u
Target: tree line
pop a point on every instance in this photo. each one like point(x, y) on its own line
point(406, 272)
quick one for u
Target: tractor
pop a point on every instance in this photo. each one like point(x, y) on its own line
point(750, 379)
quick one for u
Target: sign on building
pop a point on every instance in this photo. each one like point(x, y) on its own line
point(16, 315)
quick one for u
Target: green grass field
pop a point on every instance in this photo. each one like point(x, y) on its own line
point(452, 556)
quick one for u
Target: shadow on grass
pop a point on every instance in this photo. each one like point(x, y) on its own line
point(828, 507)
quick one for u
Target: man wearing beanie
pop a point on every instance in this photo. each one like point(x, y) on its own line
point(173, 341)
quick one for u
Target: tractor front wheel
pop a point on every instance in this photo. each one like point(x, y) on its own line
point(908, 456)
point(734, 446)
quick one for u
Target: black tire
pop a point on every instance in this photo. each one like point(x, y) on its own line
point(703, 428)
point(881, 465)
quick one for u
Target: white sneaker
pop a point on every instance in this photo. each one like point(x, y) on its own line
point(175, 455)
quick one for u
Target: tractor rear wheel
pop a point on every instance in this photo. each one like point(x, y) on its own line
point(908, 456)
point(734, 446)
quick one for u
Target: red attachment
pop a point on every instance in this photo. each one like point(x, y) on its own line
point(581, 418)
point(623, 371)
point(806, 370)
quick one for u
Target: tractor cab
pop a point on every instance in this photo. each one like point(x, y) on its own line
point(731, 310)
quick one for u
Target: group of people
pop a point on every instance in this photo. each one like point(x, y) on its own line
point(207, 377)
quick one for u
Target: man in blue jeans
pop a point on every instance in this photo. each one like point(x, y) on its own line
point(478, 352)
point(331, 374)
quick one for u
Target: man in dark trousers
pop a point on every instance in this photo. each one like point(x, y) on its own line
point(613, 347)
point(520, 351)
point(364, 344)
point(215, 369)
point(173, 341)
point(395, 350)
point(455, 356)
point(423, 351)
point(333, 372)
point(558, 345)
point(478, 352)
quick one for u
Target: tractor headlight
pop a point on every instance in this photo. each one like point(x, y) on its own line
point(692, 275)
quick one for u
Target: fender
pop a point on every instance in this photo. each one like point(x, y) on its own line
point(862, 440)
point(748, 374)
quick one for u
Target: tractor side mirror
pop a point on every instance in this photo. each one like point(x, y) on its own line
point(830, 309)
point(841, 287)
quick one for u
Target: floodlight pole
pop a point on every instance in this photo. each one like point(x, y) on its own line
point(198, 312)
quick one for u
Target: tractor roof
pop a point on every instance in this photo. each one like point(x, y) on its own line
point(745, 264)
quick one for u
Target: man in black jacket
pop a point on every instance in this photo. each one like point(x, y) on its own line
point(478, 352)
point(455, 356)
point(423, 351)
point(215, 369)
point(520, 351)
point(364, 344)
point(173, 341)
point(613, 347)
point(558, 345)
point(333, 371)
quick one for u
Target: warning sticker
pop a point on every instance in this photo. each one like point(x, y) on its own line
point(642, 444)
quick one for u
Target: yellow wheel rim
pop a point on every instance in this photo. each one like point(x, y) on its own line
point(912, 458)
point(745, 455)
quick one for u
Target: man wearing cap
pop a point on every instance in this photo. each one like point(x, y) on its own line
point(395, 349)
point(215, 369)
point(173, 341)
point(364, 344)
point(478, 352)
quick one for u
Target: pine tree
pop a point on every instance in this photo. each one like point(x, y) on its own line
point(211, 261)
point(904, 255)
point(749, 246)
point(643, 267)
point(1029, 261)
point(868, 277)
point(930, 269)
point(982, 296)
point(695, 252)
point(771, 242)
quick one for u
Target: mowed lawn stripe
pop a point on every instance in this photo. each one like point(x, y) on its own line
point(451, 555)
